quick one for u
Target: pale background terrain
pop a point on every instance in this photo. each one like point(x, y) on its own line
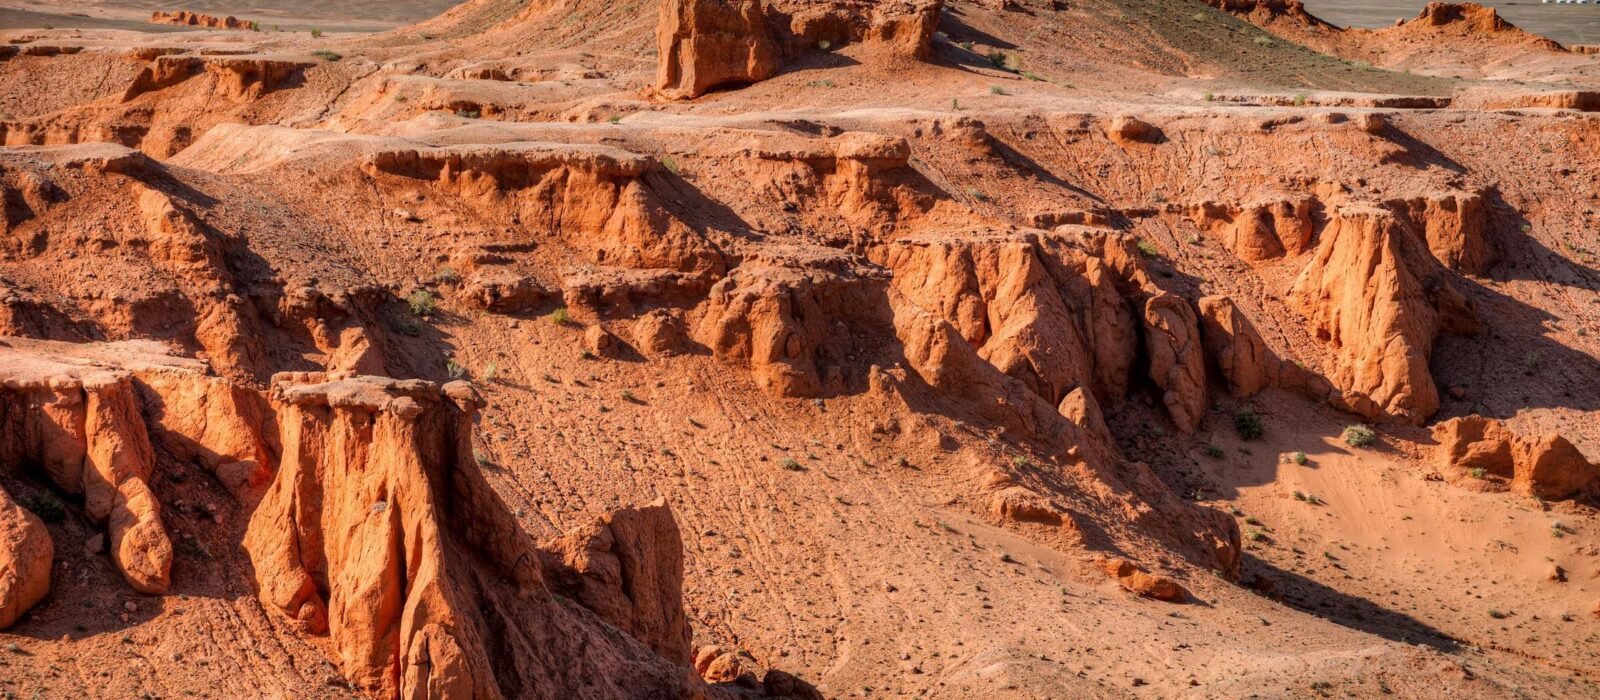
point(1564, 23)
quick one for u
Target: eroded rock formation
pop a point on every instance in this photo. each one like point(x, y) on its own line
point(627, 567)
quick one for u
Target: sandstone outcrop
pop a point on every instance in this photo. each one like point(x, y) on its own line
point(90, 416)
point(1261, 230)
point(593, 197)
point(1379, 302)
point(1141, 582)
point(1547, 466)
point(505, 292)
point(1455, 226)
point(1236, 347)
point(1041, 312)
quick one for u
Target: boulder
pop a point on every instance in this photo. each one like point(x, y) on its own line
point(598, 340)
point(1143, 583)
point(504, 292)
point(660, 334)
point(26, 554)
point(1127, 129)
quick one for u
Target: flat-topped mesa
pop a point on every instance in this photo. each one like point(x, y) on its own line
point(1467, 19)
point(1547, 467)
point(1378, 298)
point(380, 531)
point(241, 78)
point(710, 44)
point(185, 18)
point(86, 417)
point(1267, 11)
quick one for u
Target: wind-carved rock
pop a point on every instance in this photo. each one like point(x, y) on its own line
point(1049, 317)
point(186, 18)
point(1548, 466)
point(627, 566)
point(1177, 364)
point(1260, 230)
point(707, 44)
point(1455, 226)
point(1379, 302)
point(26, 555)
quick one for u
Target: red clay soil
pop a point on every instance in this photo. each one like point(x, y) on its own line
point(742, 349)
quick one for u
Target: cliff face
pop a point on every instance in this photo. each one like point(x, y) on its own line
point(380, 531)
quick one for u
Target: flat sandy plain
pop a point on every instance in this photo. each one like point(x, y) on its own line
point(354, 15)
point(1564, 23)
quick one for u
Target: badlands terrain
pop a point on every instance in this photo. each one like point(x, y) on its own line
point(783, 348)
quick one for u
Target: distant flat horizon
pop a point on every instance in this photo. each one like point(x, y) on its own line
point(1568, 24)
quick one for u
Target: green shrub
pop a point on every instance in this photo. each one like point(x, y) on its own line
point(1148, 249)
point(316, 33)
point(1301, 459)
point(422, 303)
point(1214, 452)
point(326, 55)
point(1248, 424)
point(45, 505)
point(1359, 435)
point(560, 316)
